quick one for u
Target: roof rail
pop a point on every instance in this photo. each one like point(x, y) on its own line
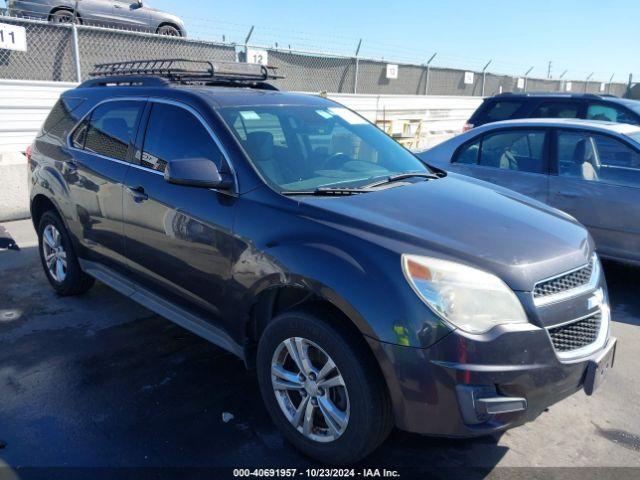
point(183, 71)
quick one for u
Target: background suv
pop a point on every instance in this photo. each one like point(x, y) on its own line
point(588, 106)
point(127, 14)
point(366, 288)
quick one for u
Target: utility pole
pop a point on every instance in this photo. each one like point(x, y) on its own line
point(484, 75)
point(549, 69)
point(426, 87)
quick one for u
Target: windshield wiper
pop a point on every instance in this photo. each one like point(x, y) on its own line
point(329, 191)
point(402, 176)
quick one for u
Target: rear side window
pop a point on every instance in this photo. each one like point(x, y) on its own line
point(610, 113)
point(520, 150)
point(468, 154)
point(111, 129)
point(175, 134)
point(502, 110)
point(557, 110)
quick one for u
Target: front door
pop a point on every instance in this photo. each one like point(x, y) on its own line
point(512, 158)
point(597, 180)
point(102, 146)
point(129, 14)
point(178, 239)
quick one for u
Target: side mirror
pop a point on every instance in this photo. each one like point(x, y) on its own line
point(195, 172)
point(136, 5)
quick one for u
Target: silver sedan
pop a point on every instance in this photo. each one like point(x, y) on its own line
point(589, 169)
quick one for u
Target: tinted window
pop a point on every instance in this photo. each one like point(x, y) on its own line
point(300, 148)
point(79, 136)
point(597, 158)
point(469, 153)
point(609, 113)
point(174, 134)
point(521, 150)
point(112, 128)
point(557, 110)
point(502, 110)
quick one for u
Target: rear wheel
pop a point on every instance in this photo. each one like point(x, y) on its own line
point(322, 388)
point(169, 30)
point(59, 261)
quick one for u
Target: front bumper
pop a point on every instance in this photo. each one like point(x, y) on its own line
point(433, 389)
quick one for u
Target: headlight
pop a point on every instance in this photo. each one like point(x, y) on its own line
point(470, 299)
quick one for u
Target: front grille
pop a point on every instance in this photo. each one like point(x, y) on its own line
point(560, 284)
point(577, 334)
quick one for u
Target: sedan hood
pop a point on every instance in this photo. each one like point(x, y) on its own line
point(515, 237)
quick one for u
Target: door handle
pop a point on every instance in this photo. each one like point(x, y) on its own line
point(569, 195)
point(115, 5)
point(138, 193)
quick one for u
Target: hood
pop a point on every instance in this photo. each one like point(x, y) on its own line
point(517, 238)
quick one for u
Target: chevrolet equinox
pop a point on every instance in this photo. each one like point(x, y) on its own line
point(367, 289)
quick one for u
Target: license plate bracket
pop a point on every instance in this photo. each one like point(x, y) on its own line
point(598, 368)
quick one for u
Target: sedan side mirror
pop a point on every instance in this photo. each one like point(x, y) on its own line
point(195, 172)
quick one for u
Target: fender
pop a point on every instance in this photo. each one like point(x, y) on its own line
point(381, 305)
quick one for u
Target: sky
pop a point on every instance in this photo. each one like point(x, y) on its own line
point(581, 37)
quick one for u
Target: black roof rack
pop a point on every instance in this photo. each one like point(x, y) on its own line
point(556, 94)
point(162, 72)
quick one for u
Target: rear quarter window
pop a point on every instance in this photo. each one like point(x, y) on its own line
point(501, 110)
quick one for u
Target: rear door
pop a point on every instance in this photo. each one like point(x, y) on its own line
point(98, 12)
point(513, 158)
point(596, 178)
point(562, 108)
point(102, 148)
point(178, 239)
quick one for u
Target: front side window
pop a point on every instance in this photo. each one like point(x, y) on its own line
point(597, 158)
point(520, 150)
point(301, 148)
point(609, 113)
point(175, 134)
point(502, 110)
point(557, 110)
point(111, 129)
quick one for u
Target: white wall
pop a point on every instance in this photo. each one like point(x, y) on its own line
point(23, 108)
point(24, 105)
point(442, 117)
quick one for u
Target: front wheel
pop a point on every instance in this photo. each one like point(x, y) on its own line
point(322, 388)
point(169, 30)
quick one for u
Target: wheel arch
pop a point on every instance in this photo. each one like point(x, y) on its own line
point(170, 24)
point(63, 7)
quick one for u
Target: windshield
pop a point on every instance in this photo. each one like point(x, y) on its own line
point(302, 148)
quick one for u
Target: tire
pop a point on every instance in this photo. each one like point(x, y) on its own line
point(169, 30)
point(59, 261)
point(367, 408)
point(62, 16)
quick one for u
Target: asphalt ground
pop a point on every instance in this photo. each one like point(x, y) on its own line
point(96, 385)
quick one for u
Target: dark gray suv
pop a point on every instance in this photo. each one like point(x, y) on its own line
point(123, 14)
point(366, 288)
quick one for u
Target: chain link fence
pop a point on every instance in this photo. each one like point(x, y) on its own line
point(53, 55)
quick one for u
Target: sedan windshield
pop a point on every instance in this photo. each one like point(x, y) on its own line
point(304, 148)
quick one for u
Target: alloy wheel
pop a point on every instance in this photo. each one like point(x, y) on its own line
point(55, 256)
point(310, 389)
